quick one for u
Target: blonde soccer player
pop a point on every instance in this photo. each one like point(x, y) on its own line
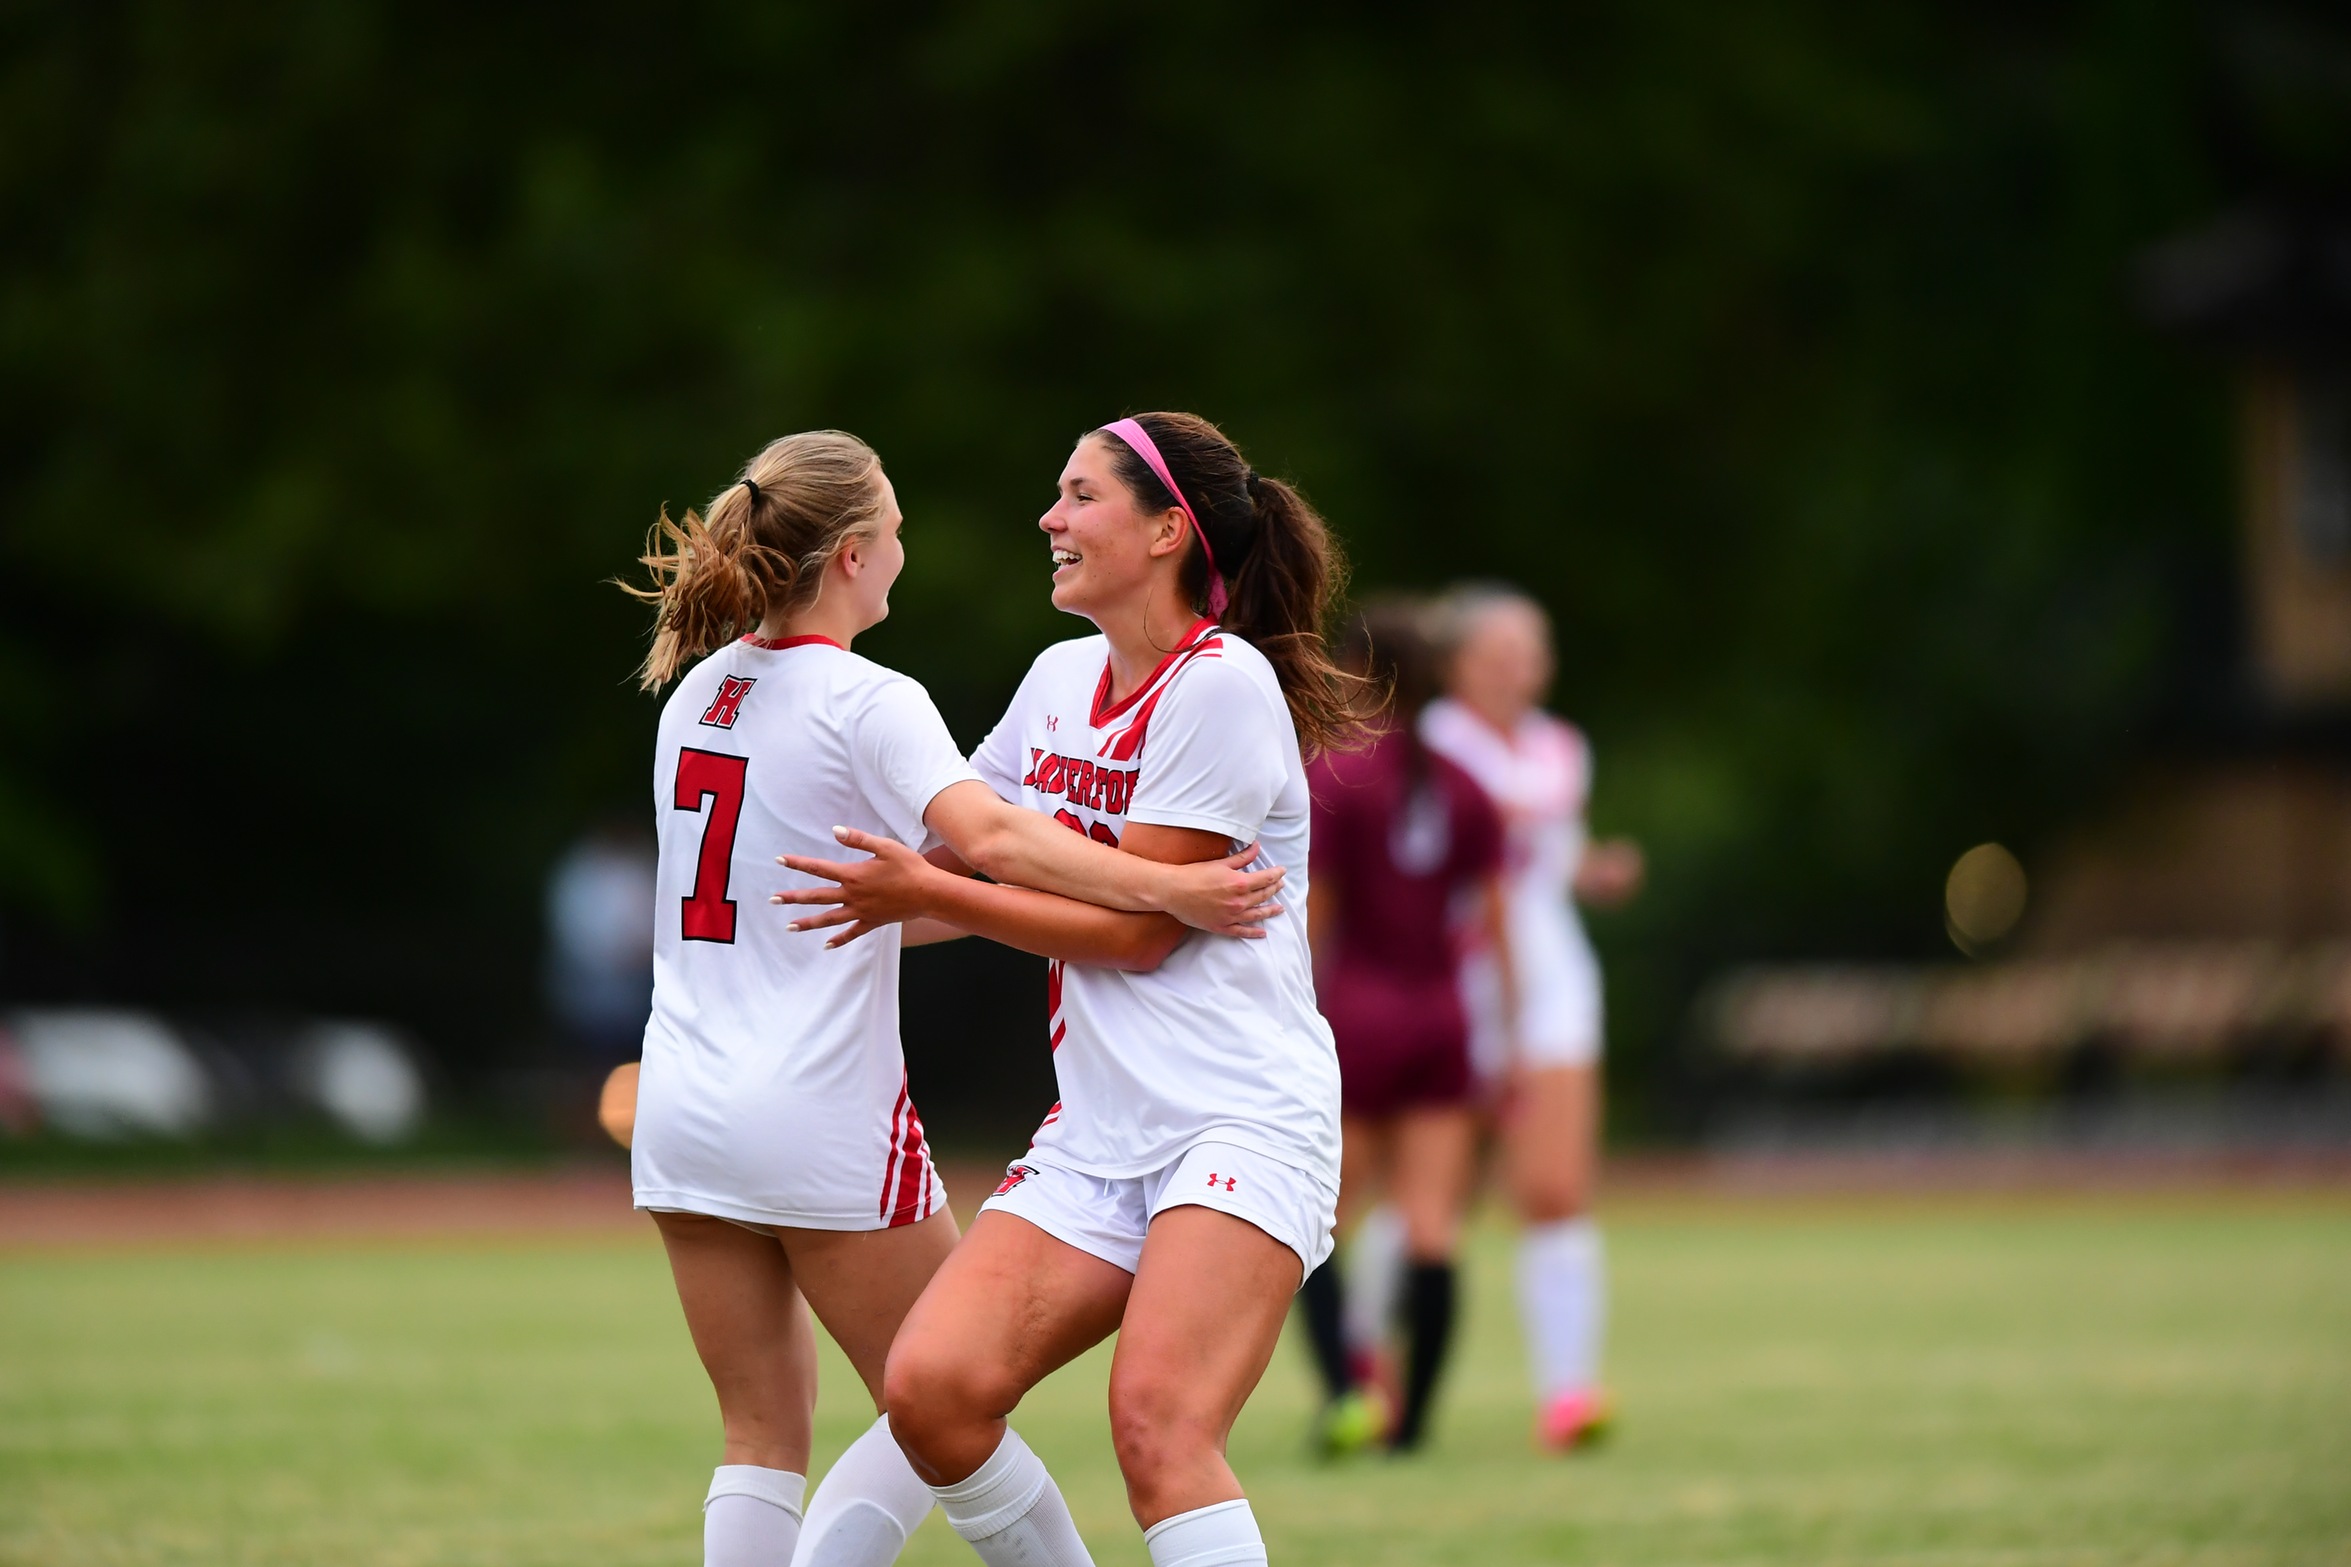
point(1185, 1183)
point(775, 1142)
point(1538, 769)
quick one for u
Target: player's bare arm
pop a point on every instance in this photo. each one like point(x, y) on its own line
point(1026, 848)
point(898, 885)
point(1610, 873)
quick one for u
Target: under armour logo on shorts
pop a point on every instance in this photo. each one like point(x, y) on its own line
point(1228, 1181)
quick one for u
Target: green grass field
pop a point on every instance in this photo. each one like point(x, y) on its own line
point(2130, 1380)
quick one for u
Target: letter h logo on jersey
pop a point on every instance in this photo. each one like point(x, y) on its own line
point(727, 706)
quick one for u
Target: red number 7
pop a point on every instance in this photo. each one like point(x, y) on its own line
point(709, 915)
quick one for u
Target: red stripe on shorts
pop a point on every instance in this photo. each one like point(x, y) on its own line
point(914, 1171)
point(897, 1149)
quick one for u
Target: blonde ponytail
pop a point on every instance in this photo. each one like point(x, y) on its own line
point(762, 550)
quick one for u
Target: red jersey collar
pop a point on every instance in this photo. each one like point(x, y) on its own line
point(1189, 641)
point(778, 644)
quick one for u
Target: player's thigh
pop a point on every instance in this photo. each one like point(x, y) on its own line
point(1364, 1144)
point(862, 1283)
point(1435, 1162)
point(1010, 1306)
point(1552, 1138)
point(1207, 1308)
point(744, 1311)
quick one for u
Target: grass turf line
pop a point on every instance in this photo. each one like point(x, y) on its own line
point(2075, 1383)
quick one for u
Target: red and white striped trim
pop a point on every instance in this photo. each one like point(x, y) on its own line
point(1105, 710)
point(908, 1182)
point(1053, 1018)
point(1127, 742)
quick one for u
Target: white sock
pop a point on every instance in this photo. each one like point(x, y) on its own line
point(1218, 1536)
point(866, 1506)
point(1562, 1295)
point(751, 1517)
point(1012, 1512)
point(1375, 1274)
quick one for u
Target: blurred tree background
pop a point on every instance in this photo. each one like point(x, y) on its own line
point(1786, 352)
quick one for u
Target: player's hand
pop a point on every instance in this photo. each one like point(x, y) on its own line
point(865, 894)
point(1224, 896)
point(1611, 873)
point(616, 1106)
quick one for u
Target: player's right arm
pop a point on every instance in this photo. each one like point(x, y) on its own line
point(1027, 848)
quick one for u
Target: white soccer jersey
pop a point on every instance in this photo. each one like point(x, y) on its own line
point(773, 1089)
point(1539, 777)
point(1222, 1041)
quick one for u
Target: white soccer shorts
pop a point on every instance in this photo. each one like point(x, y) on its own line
point(1559, 1013)
point(1107, 1218)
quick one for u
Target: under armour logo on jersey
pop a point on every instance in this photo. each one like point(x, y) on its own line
point(727, 706)
point(1053, 721)
point(1228, 1182)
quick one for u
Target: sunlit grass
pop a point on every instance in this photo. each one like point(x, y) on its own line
point(2122, 1381)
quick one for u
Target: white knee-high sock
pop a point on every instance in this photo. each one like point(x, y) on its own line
point(1012, 1512)
point(865, 1507)
point(1224, 1535)
point(751, 1518)
point(1562, 1294)
point(1375, 1276)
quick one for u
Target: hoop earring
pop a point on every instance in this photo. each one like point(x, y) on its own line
point(1155, 647)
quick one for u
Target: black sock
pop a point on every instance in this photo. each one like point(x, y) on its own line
point(1428, 1317)
point(1319, 1299)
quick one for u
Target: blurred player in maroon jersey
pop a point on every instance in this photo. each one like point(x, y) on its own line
point(1406, 850)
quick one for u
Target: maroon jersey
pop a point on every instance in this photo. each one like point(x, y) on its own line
point(1398, 855)
point(1398, 843)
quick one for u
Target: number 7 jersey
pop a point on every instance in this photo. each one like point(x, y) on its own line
point(774, 1088)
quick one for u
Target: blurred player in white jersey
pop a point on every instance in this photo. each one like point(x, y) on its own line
point(1538, 770)
point(1185, 1184)
point(774, 1140)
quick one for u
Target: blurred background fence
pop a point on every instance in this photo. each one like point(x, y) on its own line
point(1927, 425)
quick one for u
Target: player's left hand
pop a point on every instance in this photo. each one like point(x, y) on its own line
point(1224, 896)
point(865, 894)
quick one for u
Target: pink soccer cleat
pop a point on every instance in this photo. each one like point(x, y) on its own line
point(1576, 1418)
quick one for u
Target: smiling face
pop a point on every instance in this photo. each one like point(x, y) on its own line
point(1502, 666)
point(1107, 551)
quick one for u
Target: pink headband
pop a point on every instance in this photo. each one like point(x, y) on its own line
point(1139, 439)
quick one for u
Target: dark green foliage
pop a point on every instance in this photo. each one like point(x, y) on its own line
point(1785, 352)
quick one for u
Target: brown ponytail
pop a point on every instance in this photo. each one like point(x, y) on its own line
point(763, 551)
point(1283, 571)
